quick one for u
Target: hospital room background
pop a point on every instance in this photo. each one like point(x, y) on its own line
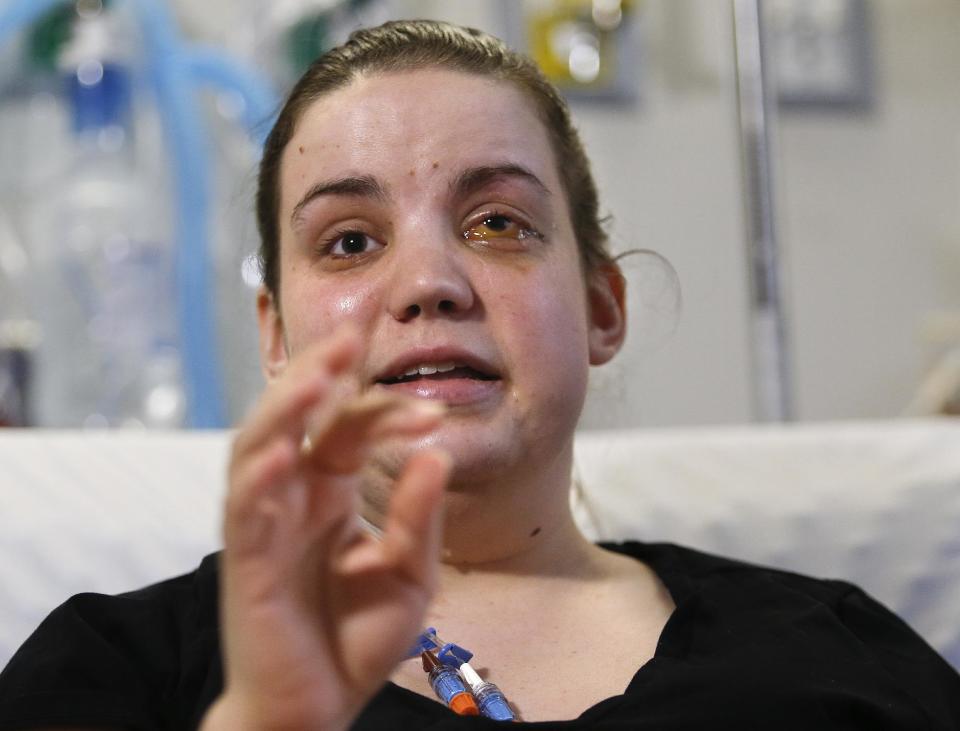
point(785, 174)
point(814, 255)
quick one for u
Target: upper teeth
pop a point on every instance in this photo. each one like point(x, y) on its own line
point(430, 369)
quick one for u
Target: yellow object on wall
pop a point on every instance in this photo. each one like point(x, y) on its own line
point(576, 42)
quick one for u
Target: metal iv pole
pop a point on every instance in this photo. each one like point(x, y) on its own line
point(771, 368)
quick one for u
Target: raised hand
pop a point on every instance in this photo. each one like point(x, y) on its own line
point(315, 611)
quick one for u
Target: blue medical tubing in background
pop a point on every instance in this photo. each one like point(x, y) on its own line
point(174, 70)
point(210, 66)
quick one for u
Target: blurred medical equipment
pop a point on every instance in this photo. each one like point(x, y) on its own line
point(773, 392)
point(103, 285)
point(103, 84)
point(589, 49)
point(19, 334)
point(822, 54)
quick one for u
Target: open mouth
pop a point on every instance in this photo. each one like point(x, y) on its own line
point(438, 372)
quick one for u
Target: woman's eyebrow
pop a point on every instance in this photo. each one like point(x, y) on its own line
point(363, 186)
point(475, 178)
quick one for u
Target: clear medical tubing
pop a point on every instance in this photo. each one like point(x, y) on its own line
point(173, 71)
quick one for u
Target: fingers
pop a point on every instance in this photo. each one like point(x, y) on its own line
point(340, 441)
point(264, 489)
point(276, 474)
point(249, 525)
point(308, 379)
point(414, 523)
point(264, 459)
point(410, 542)
point(290, 520)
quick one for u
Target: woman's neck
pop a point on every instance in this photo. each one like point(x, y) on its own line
point(519, 525)
point(521, 540)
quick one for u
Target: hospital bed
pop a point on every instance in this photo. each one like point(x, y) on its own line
point(876, 503)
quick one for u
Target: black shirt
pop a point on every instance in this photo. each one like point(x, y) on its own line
point(746, 648)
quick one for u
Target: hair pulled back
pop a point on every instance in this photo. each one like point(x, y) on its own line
point(408, 45)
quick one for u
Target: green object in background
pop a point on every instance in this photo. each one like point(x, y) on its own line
point(48, 37)
point(51, 33)
point(311, 35)
point(307, 39)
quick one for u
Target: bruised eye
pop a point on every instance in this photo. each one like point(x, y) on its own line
point(352, 243)
point(499, 226)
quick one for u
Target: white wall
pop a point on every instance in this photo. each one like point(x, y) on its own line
point(870, 218)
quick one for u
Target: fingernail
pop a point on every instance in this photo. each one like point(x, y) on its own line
point(443, 457)
point(424, 408)
point(306, 445)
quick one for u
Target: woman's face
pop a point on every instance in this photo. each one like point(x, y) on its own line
point(425, 208)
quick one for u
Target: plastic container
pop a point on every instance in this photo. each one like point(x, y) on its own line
point(104, 262)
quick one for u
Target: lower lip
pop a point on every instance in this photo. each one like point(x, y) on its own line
point(452, 391)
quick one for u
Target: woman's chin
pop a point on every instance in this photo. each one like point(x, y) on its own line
point(476, 459)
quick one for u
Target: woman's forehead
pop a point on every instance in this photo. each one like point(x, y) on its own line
point(399, 124)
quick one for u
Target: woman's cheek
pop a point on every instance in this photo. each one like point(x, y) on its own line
point(350, 303)
point(551, 382)
point(319, 309)
point(551, 321)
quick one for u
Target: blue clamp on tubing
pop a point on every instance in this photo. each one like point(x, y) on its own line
point(447, 652)
point(454, 655)
point(426, 641)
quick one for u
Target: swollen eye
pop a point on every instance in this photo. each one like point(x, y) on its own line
point(493, 227)
point(497, 223)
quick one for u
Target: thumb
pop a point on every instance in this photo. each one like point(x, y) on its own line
point(414, 527)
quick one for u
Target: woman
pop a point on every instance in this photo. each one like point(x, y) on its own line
point(436, 286)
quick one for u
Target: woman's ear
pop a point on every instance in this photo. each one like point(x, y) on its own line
point(606, 299)
point(273, 345)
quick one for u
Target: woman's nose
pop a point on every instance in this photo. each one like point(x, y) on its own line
point(429, 280)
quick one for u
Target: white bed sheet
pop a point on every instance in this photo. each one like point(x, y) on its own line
point(874, 503)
